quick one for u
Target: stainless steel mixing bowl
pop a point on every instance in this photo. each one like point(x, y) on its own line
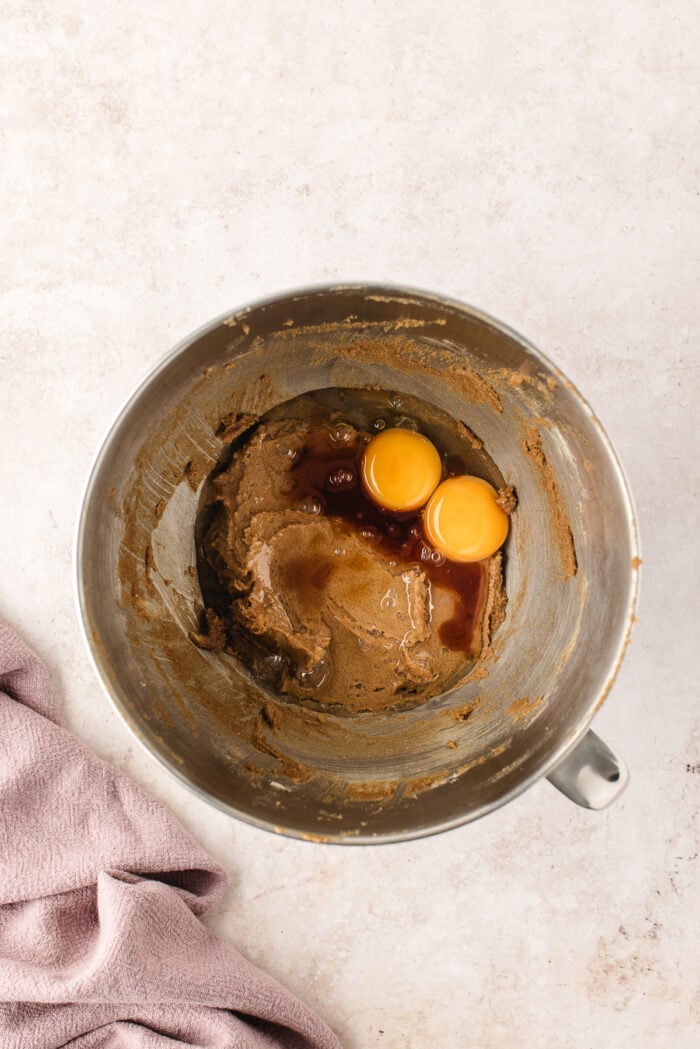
point(369, 778)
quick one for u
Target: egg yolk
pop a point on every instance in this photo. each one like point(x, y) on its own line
point(400, 469)
point(463, 520)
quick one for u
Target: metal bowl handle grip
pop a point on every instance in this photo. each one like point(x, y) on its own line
point(591, 774)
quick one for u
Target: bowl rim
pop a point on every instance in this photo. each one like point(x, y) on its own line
point(111, 689)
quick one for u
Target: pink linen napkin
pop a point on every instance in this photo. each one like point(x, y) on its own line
point(101, 889)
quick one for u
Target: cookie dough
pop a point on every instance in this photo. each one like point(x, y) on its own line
point(323, 596)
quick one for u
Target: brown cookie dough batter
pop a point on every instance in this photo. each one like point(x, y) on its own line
point(321, 594)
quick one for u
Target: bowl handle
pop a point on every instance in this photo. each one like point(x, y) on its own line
point(591, 774)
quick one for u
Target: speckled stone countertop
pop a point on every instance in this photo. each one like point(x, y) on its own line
point(163, 164)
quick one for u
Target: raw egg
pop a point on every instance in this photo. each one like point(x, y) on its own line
point(463, 520)
point(400, 469)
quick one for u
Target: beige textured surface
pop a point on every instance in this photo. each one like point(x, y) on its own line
point(163, 163)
